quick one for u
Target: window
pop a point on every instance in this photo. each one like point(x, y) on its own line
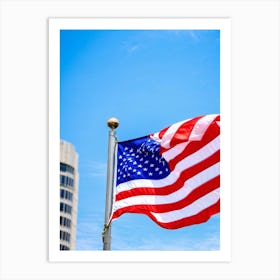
point(66, 181)
point(65, 222)
point(65, 235)
point(63, 247)
point(65, 208)
point(66, 195)
point(66, 168)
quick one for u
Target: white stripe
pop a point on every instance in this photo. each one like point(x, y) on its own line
point(155, 137)
point(168, 135)
point(198, 131)
point(201, 126)
point(180, 194)
point(187, 162)
point(190, 210)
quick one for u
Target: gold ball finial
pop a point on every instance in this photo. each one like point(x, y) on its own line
point(113, 123)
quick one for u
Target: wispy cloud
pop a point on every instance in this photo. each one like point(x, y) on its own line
point(89, 233)
point(95, 169)
point(131, 48)
point(89, 238)
point(210, 243)
point(149, 240)
point(135, 45)
point(194, 35)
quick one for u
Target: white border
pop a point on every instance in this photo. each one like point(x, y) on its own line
point(222, 24)
point(24, 115)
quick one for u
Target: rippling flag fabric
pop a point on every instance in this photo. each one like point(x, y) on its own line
point(172, 176)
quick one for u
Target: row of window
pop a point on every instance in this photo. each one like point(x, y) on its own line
point(65, 222)
point(65, 208)
point(66, 181)
point(66, 195)
point(63, 247)
point(65, 235)
point(66, 168)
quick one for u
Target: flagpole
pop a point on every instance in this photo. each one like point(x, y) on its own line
point(112, 123)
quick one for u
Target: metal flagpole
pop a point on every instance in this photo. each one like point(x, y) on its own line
point(112, 123)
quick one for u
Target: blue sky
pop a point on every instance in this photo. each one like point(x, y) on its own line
point(148, 79)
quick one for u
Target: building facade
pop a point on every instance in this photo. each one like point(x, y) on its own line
point(69, 186)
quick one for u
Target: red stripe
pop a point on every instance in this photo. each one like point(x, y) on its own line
point(183, 132)
point(185, 201)
point(184, 176)
point(211, 133)
point(162, 132)
point(200, 217)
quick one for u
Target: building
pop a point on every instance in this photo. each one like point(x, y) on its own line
point(69, 183)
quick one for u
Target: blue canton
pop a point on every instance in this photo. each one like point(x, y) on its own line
point(140, 159)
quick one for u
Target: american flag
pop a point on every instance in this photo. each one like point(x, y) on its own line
point(172, 176)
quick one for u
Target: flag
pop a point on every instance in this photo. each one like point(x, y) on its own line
point(172, 176)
